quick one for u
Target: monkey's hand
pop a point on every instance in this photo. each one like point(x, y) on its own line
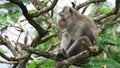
point(61, 54)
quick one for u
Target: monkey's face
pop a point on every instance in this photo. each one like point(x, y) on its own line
point(66, 17)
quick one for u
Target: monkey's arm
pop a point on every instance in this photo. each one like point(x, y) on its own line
point(65, 41)
point(65, 44)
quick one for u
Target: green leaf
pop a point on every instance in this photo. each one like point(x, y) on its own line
point(32, 64)
point(3, 28)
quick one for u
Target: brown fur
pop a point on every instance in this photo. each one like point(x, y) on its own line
point(79, 28)
point(87, 26)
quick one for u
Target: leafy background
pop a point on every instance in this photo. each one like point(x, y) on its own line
point(108, 41)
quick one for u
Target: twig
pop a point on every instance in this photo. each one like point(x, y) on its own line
point(53, 46)
point(47, 38)
point(10, 62)
point(96, 19)
point(18, 37)
point(84, 9)
point(45, 10)
point(6, 57)
point(53, 25)
point(102, 29)
point(8, 43)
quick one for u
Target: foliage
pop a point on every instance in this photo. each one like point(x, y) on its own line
point(110, 45)
point(104, 8)
point(42, 63)
point(10, 15)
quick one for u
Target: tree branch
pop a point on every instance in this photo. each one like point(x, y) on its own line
point(12, 62)
point(88, 2)
point(8, 44)
point(96, 19)
point(6, 57)
point(97, 9)
point(53, 46)
point(47, 38)
point(40, 53)
point(114, 11)
point(117, 6)
point(103, 28)
point(45, 10)
point(39, 5)
point(112, 21)
point(79, 57)
point(84, 9)
point(40, 30)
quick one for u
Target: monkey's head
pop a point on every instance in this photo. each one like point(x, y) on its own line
point(68, 16)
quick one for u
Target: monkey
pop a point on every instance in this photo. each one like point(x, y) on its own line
point(79, 29)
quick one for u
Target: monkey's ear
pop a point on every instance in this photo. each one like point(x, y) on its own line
point(73, 4)
point(71, 11)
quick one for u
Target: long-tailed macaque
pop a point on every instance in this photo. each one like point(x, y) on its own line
point(78, 28)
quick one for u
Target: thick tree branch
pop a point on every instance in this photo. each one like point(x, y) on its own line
point(71, 60)
point(26, 54)
point(29, 18)
point(79, 57)
point(40, 53)
point(88, 2)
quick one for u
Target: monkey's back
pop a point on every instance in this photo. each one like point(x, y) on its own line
point(90, 28)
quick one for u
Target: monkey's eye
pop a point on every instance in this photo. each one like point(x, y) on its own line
point(70, 10)
point(63, 19)
point(61, 13)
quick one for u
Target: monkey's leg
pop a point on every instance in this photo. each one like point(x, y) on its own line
point(78, 46)
point(87, 43)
